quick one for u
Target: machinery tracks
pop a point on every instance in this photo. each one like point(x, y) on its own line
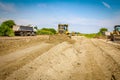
point(111, 56)
point(86, 59)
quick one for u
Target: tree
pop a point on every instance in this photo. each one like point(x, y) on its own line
point(3, 29)
point(36, 27)
point(6, 28)
point(10, 32)
point(9, 23)
point(102, 30)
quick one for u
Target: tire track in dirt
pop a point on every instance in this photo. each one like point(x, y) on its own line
point(94, 71)
point(111, 58)
point(28, 69)
point(18, 54)
point(71, 64)
point(86, 59)
point(18, 63)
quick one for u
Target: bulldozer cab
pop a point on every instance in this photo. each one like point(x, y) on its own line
point(115, 35)
point(117, 28)
point(63, 28)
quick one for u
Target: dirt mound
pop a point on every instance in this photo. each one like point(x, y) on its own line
point(84, 59)
point(60, 38)
point(11, 44)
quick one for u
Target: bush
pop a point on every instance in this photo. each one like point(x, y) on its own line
point(10, 32)
point(92, 35)
point(101, 32)
point(49, 29)
point(9, 23)
point(46, 31)
point(3, 30)
point(6, 28)
point(6, 31)
point(52, 30)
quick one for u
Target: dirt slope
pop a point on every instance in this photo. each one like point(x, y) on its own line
point(86, 59)
point(15, 55)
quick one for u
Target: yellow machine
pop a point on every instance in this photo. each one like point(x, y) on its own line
point(115, 35)
point(63, 29)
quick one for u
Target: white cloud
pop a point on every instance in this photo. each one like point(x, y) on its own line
point(106, 4)
point(23, 22)
point(80, 24)
point(7, 7)
point(91, 24)
point(75, 23)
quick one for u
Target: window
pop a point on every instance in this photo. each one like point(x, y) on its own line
point(118, 28)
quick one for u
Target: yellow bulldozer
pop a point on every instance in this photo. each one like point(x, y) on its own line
point(63, 29)
point(115, 35)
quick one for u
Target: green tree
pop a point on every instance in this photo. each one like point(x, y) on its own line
point(3, 29)
point(36, 27)
point(102, 30)
point(6, 28)
point(9, 23)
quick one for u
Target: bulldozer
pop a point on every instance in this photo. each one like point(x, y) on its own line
point(115, 35)
point(63, 29)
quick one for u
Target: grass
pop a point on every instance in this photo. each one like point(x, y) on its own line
point(92, 35)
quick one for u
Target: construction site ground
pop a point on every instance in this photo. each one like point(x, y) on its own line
point(58, 58)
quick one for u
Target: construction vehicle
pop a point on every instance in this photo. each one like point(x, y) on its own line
point(24, 30)
point(63, 29)
point(115, 35)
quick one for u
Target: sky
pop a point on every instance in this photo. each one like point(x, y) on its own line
point(84, 16)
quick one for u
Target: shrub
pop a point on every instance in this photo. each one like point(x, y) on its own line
point(6, 28)
point(9, 23)
point(92, 35)
point(10, 32)
point(52, 30)
point(3, 30)
point(46, 31)
point(49, 29)
point(102, 30)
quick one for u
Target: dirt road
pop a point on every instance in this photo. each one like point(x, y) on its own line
point(86, 59)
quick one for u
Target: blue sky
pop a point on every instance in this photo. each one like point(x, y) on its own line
point(85, 16)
